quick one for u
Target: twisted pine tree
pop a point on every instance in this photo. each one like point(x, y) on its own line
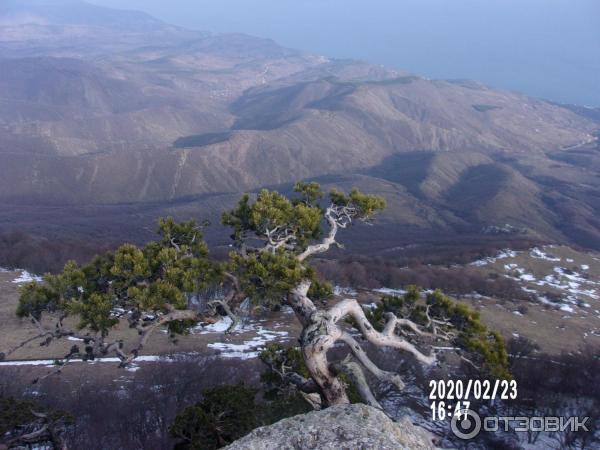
point(273, 239)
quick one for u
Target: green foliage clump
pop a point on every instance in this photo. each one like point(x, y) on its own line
point(185, 235)
point(94, 311)
point(282, 398)
point(320, 291)
point(300, 216)
point(15, 414)
point(285, 397)
point(226, 413)
point(163, 275)
point(35, 299)
point(158, 277)
point(287, 226)
point(273, 212)
point(310, 193)
point(276, 355)
point(405, 306)
point(482, 345)
point(366, 205)
point(485, 345)
point(266, 277)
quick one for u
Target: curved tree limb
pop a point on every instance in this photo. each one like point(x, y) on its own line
point(235, 319)
point(361, 356)
point(328, 241)
point(300, 303)
point(357, 376)
point(172, 316)
point(393, 321)
point(352, 308)
point(22, 344)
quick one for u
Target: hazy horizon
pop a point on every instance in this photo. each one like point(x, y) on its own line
point(544, 48)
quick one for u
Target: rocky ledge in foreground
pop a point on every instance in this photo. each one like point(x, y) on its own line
point(348, 427)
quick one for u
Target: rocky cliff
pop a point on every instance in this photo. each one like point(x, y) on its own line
point(349, 427)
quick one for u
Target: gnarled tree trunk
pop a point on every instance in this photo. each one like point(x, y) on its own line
point(321, 331)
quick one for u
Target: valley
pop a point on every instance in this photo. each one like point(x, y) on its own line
point(110, 120)
point(139, 115)
point(559, 310)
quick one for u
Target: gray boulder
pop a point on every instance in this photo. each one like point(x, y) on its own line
point(348, 427)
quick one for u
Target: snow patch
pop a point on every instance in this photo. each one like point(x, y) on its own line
point(527, 277)
point(390, 291)
point(341, 291)
point(27, 277)
point(51, 362)
point(219, 326)
point(251, 348)
point(506, 253)
point(567, 308)
point(539, 254)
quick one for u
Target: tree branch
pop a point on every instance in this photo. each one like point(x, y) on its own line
point(172, 316)
point(352, 308)
point(328, 241)
point(300, 303)
point(235, 320)
point(357, 376)
point(393, 321)
point(361, 355)
point(6, 354)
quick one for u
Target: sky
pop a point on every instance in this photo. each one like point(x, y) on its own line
point(545, 48)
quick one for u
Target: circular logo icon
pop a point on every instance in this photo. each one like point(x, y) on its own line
point(466, 424)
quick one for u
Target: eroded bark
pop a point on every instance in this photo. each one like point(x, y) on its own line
point(323, 329)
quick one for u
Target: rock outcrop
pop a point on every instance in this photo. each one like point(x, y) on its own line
point(348, 427)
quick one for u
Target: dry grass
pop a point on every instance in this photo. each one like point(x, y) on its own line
point(554, 330)
point(14, 331)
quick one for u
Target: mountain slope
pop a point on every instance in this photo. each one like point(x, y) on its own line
point(104, 107)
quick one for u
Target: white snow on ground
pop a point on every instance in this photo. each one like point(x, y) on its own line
point(527, 277)
point(340, 291)
point(506, 253)
point(248, 349)
point(251, 348)
point(539, 254)
point(574, 286)
point(218, 327)
point(370, 305)
point(390, 291)
point(287, 309)
point(571, 283)
point(117, 312)
point(27, 277)
point(50, 362)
